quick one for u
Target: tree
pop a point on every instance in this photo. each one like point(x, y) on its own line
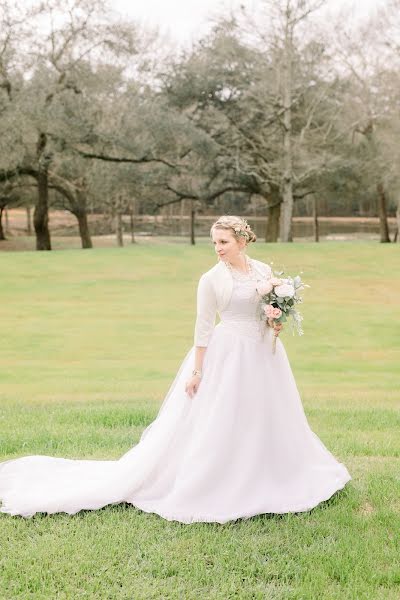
point(57, 64)
point(371, 114)
point(389, 29)
point(230, 86)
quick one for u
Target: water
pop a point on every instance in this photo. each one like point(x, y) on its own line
point(330, 228)
point(63, 223)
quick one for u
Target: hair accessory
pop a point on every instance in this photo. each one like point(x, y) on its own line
point(242, 229)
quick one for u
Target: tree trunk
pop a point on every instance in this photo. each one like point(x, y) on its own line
point(2, 234)
point(28, 220)
point(81, 215)
point(382, 212)
point(287, 178)
point(272, 228)
point(7, 220)
point(397, 233)
point(192, 224)
point(41, 213)
point(286, 212)
point(84, 232)
point(315, 219)
point(119, 229)
point(182, 218)
point(170, 219)
point(132, 226)
point(132, 213)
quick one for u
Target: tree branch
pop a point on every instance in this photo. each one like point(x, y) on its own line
point(124, 159)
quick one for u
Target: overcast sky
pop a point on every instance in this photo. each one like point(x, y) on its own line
point(184, 20)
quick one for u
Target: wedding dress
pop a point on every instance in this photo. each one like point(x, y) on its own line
point(241, 446)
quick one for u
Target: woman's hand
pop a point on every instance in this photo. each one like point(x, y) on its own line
point(276, 326)
point(192, 385)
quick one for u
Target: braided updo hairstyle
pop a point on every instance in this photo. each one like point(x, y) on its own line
point(238, 226)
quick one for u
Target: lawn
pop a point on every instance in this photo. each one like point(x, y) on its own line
point(91, 341)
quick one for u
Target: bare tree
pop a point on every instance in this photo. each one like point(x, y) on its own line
point(279, 32)
point(371, 114)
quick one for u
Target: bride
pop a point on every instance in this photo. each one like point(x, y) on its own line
point(230, 440)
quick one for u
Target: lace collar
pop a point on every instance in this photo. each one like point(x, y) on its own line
point(250, 275)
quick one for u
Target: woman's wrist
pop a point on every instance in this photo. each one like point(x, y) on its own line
point(197, 372)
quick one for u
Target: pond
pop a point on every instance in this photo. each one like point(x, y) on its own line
point(330, 228)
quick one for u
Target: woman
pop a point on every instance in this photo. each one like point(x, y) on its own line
point(230, 440)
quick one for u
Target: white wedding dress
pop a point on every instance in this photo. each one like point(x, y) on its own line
point(240, 447)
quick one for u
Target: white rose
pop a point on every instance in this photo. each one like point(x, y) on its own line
point(264, 288)
point(284, 290)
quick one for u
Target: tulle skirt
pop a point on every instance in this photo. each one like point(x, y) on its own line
point(240, 447)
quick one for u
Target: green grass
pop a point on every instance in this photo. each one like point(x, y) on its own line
point(91, 341)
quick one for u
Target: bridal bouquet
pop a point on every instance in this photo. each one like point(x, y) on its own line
point(279, 295)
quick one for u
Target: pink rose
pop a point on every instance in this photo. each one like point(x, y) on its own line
point(265, 288)
point(272, 312)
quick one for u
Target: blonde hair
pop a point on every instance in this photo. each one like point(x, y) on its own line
point(238, 226)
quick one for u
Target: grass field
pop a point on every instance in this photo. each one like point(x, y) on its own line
point(91, 341)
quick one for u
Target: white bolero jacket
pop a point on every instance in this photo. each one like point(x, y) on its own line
point(213, 294)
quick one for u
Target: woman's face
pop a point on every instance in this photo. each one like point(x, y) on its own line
point(226, 245)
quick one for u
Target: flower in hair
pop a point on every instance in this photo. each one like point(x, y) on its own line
point(242, 229)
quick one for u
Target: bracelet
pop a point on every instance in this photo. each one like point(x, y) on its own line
point(196, 372)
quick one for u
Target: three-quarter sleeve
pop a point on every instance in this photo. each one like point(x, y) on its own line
point(206, 312)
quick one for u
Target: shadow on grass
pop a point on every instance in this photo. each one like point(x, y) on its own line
point(124, 507)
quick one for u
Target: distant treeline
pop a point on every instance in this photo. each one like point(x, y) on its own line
point(274, 114)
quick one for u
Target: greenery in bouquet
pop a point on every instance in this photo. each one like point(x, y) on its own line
point(279, 296)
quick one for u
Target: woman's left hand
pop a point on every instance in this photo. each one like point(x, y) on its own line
point(276, 326)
